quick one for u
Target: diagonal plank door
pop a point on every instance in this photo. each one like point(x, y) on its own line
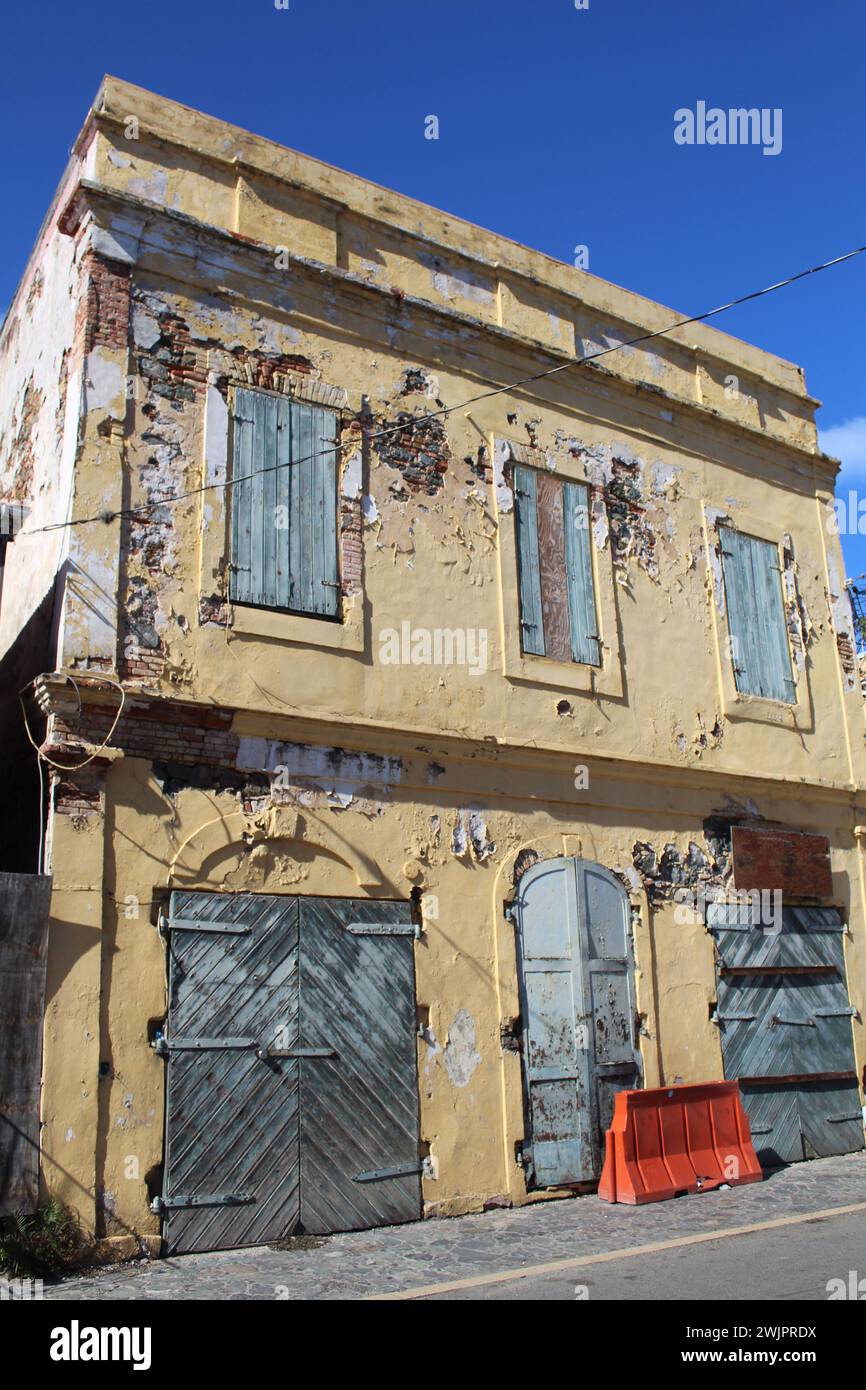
point(292, 1100)
point(231, 1116)
point(360, 1162)
point(785, 1023)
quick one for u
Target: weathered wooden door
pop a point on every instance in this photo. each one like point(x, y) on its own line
point(291, 1099)
point(785, 1024)
point(578, 1014)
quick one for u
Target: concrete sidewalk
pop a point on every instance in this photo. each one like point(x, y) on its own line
point(480, 1251)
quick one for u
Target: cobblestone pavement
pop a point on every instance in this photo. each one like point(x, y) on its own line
point(398, 1259)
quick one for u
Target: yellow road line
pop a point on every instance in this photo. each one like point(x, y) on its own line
point(580, 1261)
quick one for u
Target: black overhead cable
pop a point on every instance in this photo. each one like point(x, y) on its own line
point(135, 513)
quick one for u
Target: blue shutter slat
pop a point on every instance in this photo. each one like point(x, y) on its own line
point(585, 645)
point(776, 672)
point(304, 468)
point(531, 625)
point(737, 571)
point(283, 502)
point(295, 569)
point(327, 555)
point(256, 504)
point(268, 480)
point(243, 432)
point(756, 616)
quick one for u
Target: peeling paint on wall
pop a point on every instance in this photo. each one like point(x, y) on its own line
point(460, 1054)
point(470, 833)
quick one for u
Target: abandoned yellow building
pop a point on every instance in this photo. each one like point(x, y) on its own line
point(426, 758)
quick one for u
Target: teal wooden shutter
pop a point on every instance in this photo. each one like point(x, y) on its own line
point(578, 567)
point(284, 505)
point(531, 625)
point(569, 571)
point(756, 616)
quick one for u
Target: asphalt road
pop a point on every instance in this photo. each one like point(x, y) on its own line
point(788, 1264)
point(782, 1239)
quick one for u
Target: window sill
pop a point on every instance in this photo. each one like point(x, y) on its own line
point(296, 628)
point(558, 675)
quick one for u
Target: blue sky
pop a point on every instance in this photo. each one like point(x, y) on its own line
point(556, 129)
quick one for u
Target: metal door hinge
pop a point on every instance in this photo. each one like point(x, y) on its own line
point(384, 928)
point(510, 1032)
point(229, 1199)
point(165, 1046)
point(423, 1166)
point(188, 924)
point(263, 1053)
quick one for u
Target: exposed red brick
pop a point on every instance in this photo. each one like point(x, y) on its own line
point(796, 863)
point(103, 308)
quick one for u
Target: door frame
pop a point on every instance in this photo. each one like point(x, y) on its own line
point(583, 972)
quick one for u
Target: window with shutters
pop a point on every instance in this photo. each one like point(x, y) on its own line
point(558, 615)
point(760, 653)
point(284, 528)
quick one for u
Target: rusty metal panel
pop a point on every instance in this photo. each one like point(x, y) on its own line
point(796, 863)
point(577, 1003)
point(786, 1030)
point(24, 907)
point(292, 1100)
point(551, 562)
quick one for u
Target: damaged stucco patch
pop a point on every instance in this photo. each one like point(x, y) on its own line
point(460, 1055)
point(796, 616)
point(636, 517)
point(842, 622)
point(417, 449)
point(309, 775)
point(470, 835)
point(702, 869)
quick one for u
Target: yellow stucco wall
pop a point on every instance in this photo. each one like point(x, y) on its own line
point(374, 286)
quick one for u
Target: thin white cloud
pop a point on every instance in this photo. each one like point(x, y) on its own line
point(848, 443)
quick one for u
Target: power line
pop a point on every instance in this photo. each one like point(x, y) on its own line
point(136, 513)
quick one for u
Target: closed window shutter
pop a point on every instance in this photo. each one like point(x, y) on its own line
point(531, 627)
point(284, 505)
point(578, 565)
point(557, 596)
point(756, 617)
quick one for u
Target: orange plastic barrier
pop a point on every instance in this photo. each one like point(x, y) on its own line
point(680, 1139)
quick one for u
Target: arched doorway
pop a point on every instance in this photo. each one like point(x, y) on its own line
point(576, 977)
